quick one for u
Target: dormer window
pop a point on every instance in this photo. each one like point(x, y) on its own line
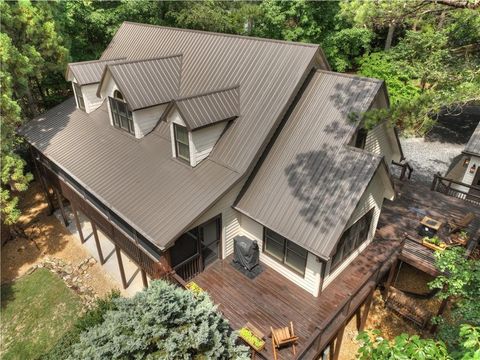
point(79, 96)
point(181, 142)
point(121, 115)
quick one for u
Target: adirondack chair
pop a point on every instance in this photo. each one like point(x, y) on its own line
point(283, 336)
point(457, 225)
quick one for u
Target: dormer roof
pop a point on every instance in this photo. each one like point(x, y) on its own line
point(209, 108)
point(148, 82)
point(88, 72)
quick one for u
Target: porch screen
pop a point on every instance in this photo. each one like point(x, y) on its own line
point(351, 239)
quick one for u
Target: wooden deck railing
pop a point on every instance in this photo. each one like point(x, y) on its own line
point(189, 268)
point(327, 330)
point(406, 169)
point(455, 189)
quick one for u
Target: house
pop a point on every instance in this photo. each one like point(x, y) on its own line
point(177, 141)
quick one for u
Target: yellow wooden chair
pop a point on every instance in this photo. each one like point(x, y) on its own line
point(283, 336)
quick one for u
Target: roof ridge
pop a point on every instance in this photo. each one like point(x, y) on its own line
point(207, 93)
point(95, 61)
point(245, 37)
point(126, 62)
point(353, 76)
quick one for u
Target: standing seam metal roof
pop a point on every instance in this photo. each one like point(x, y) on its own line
point(88, 72)
point(207, 109)
point(311, 181)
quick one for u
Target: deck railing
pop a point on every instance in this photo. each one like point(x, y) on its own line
point(406, 169)
point(326, 331)
point(189, 268)
point(455, 189)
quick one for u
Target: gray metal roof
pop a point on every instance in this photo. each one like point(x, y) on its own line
point(157, 195)
point(149, 82)
point(310, 182)
point(88, 72)
point(207, 109)
point(473, 145)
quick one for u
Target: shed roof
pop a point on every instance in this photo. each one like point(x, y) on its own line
point(311, 181)
point(88, 72)
point(206, 109)
point(157, 195)
point(473, 145)
point(147, 82)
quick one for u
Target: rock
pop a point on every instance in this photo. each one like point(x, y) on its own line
point(68, 269)
point(92, 261)
point(31, 270)
point(40, 266)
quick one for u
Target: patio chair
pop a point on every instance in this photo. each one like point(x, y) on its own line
point(457, 225)
point(283, 336)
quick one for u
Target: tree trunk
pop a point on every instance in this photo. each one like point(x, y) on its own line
point(32, 104)
point(391, 30)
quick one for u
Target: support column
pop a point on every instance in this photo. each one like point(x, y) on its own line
point(388, 283)
point(368, 304)
point(60, 204)
point(42, 183)
point(77, 222)
point(338, 342)
point(120, 266)
point(97, 243)
point(441, 310)
point(144, 278)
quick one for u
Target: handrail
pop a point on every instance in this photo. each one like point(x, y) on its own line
point(444, 185)
point(191, 258)
point(405, 167)
point(316, 337)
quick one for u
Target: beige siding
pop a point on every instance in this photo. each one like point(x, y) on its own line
point(310, 282)
point(372, 198)
point(145, 119)
point(468, 177)
point(92, 102)
point(230, 218)
point(381, 140)
point(204, 140)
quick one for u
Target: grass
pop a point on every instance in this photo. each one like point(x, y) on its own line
point(36, 311)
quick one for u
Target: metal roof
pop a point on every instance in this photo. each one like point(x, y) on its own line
point(310, 182)
point(207, 109)
point(157, 195)
point(149, 82)
point(88, 72)
point(473, 145)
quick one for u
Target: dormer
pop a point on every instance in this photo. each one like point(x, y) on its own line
point(85, 77)
point(139, 92)
point(197, 122)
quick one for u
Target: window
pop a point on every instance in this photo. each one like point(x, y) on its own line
point(181, 142)
point(121, 115)
point(285, 251)
point(351, 239)
point(361, 138)
point(79, 96)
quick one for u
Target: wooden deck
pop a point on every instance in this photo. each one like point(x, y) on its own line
point(403, 215)
point(272, 300)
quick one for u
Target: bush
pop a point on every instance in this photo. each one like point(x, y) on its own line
point(162, 322)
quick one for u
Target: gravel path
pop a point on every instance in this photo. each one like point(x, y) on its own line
point(441, 147)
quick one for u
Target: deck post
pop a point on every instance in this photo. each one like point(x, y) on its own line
point(60, 204)
point(441, 310)
point(144, 278)
point(120, 266)
point(42, 183)
point(97, 242)
point(366, 310)
point(77, 222)
point(338, 342)
point(388, 283)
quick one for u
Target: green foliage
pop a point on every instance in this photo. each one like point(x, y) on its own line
point(403, 347)
point(161, 322)
point(63, 348)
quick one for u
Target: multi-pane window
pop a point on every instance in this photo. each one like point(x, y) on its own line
point(351, 239)
point(121, 115)
point(79, 96)
point(181, 142)
point(285, 251)
point(361, 138)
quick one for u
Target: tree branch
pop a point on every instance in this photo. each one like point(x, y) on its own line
point(460, 4)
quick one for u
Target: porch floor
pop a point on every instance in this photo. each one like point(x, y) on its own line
point(272, 300)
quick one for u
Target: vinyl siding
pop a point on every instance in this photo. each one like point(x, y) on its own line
point(458, 172)
point(310, 282)
point(92, 102)
point(230, 218)
point(145, 120)
point(204, 140)
point(468, 177)
point(373, 197)
point(381, 140)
